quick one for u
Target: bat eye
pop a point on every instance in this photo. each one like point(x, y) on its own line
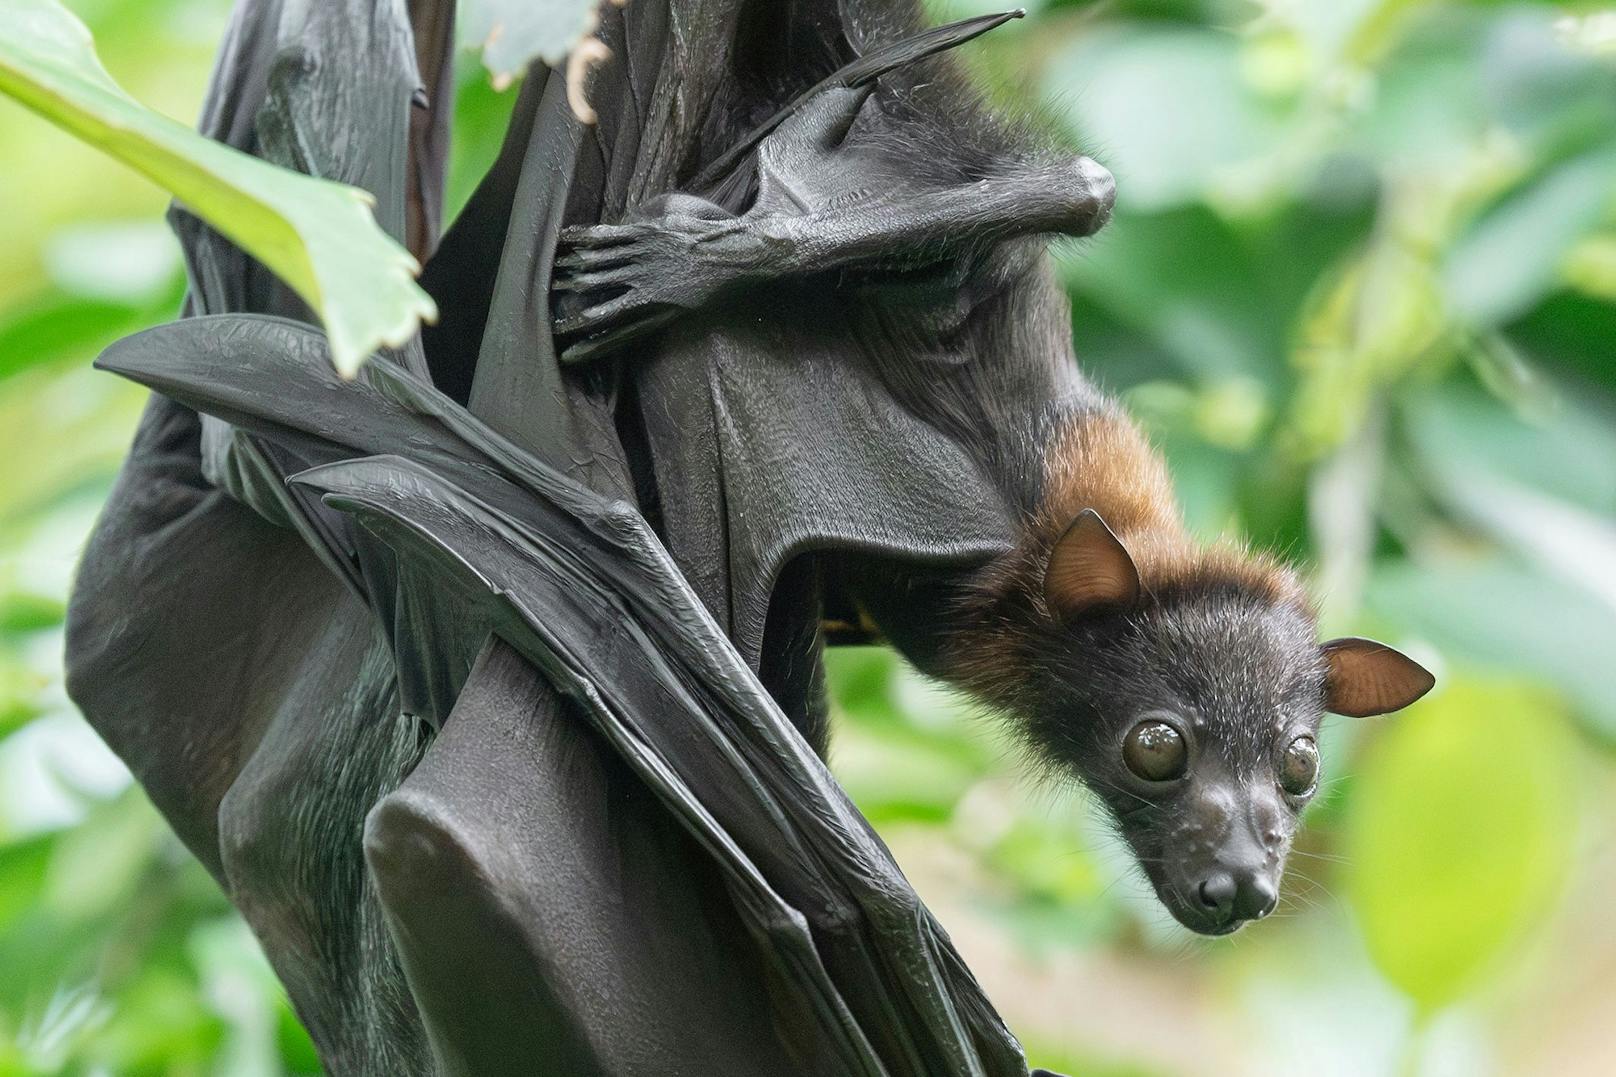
point(1155, 752)
point(1299, 766)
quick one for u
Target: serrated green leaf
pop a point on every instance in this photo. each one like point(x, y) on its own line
point(319, 237)
point(1460, 833)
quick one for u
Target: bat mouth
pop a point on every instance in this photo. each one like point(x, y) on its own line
point(1220, 932)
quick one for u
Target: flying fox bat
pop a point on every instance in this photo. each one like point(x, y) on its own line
point(488, 684)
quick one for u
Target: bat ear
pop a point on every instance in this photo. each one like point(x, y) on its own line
point(1088, 568)
point(1365, 678)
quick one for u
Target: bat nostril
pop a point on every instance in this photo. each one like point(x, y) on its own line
point(1217, 894)
point(1260, 898)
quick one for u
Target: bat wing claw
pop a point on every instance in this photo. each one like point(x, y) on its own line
point(615, 282)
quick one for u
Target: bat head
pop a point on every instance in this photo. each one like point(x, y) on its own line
point(1193, 710)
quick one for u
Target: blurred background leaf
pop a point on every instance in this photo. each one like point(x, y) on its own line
point(1460, 833)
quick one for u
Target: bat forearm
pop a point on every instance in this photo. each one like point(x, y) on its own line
point(1072, 199)
point(620, 281)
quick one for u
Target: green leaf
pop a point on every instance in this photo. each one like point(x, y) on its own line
point(1460, 434)
point(1510, 257)
point(1571, 333)
point(97, 866)
point(57, 328)
point(861, 682)
point(317, 236)
point(513, 33)
point(1133, 81)
point(62, 434)
point(297, 1051)
point(1504, 616)
point(481, 116)
point(1460, 833)
point(1374, 320)
point(1187, 279)
point(893, 775)
point(22, 613)
point(23, 865)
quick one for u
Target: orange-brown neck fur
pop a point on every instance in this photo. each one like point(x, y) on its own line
point(1100, 460)
point(1103, 462)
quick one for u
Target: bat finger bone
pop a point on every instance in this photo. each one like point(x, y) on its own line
point(586, 258)
point(589, 236)
point(594, 318)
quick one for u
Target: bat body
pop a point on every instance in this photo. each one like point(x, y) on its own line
point(1182, 682)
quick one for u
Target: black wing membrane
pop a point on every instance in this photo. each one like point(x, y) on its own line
point(579, 586)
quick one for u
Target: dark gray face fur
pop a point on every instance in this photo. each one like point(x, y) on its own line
point(1238, 680)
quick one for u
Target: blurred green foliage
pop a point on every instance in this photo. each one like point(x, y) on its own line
point(1498, 823)
point(1361, 286)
